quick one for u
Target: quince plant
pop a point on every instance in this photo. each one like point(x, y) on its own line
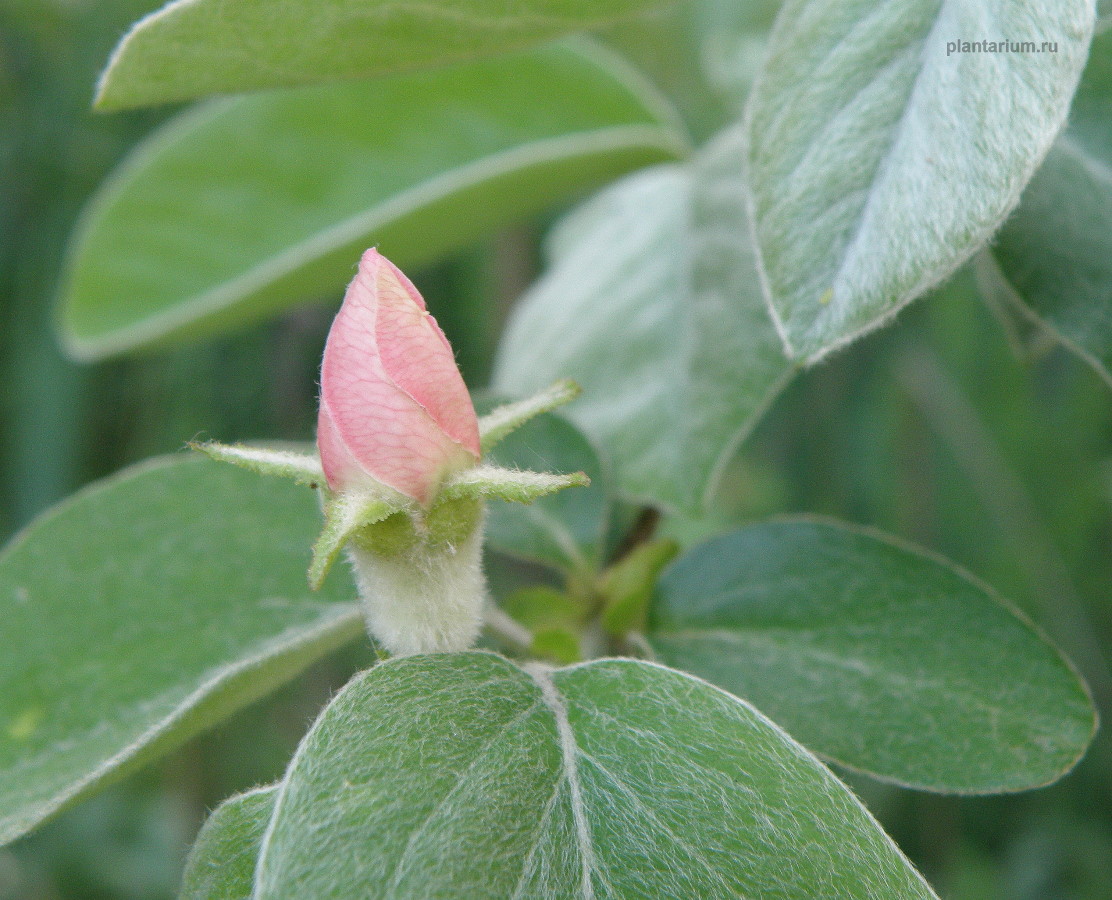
point(399, 466)
point(641, 768)
point(674, 688)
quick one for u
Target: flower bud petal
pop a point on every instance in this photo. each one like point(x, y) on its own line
point(394, 408)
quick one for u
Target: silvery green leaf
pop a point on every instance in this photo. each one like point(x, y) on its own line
point(1056, 250)
point(881, 156)
point(221, 864)
point(239, 207)
point(191, 48)
point(463, 775)
point(141, 611)
point(652, 305)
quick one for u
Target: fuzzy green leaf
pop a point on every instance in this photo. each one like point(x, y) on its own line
point(652, 304)
point(1056, 250)
point(876, 656)
point(881, 158)
point(462, 775)
point(144, 609)
point(241, 207)
point(192, 48)
point(221, 865)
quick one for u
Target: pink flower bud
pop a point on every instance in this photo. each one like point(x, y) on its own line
point(393, 407)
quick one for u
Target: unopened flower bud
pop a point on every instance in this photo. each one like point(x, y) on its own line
point(399, 447)
point(393, 407)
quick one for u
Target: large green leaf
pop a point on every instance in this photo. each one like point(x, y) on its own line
point(1056, 250)
point(240, 207)
point(191, 48)
point(465, 776)
point(144, 609)
point(876, 656)
point(880, 158)
point(652, 305)
point(566, 530)
point(221, 865)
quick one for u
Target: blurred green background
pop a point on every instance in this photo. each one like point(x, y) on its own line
point(958, 428)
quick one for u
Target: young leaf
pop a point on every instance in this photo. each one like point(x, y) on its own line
point(221, 864)
point(876, 656)
point(541, 608)
point(565, 530)
point(628, 584)
point(463, 775)
point(1056, 250)
point(652, 305)
point(882, 155)
point(141, 611)
point(241, 207)
point(559, 645)
point(191, 48)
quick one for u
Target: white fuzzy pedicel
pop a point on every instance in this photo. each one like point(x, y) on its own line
point(423, 602)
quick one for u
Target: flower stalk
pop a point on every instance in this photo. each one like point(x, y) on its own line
point(399, 466)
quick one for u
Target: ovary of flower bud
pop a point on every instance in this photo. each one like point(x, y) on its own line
point(393, 407)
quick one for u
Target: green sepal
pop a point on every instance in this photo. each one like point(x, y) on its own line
point(628, 585)
point(348, 513)
point(501, 421)
point(450, 522)
point(494, 482)
point(344, 515)
point(304, 468)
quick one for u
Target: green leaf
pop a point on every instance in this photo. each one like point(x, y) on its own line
point(192, 48)
point(876, 656)
point(221, 865)
point(652, 305)
point(141, 611)
point(240, 207)
point(465, 776)
point(1056, 250)
point(566, 530)
point(540, 608)
point(881, 159)
point(559, 645)
point(628, 585)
